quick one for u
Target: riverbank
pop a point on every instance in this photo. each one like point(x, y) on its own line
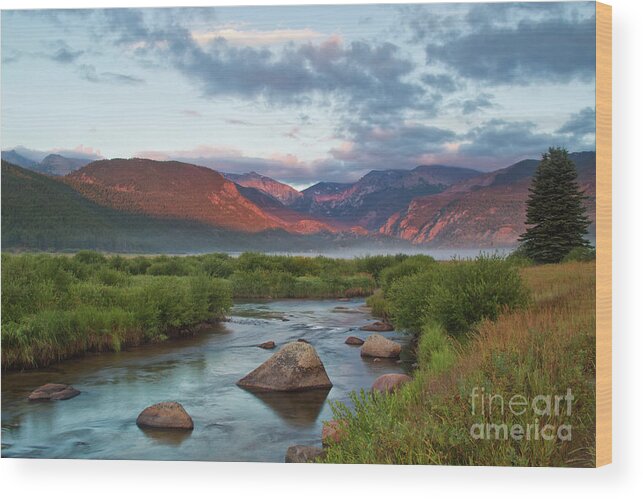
point(57, 307)
point(200, 372)
point(544, 351)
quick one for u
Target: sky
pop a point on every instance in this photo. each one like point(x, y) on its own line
point(302, 93)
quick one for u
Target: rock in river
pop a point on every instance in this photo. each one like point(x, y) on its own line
point(170, 415)
point(388, 383)
point(268, 345)
point(378, 346)
point(303, 454)
point(296, 367)
point(53, 391)
point(353, 340)
point(378, 327)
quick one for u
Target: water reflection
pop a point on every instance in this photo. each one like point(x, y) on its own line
point(200, 372)
point(167, 437)
point(300, 409)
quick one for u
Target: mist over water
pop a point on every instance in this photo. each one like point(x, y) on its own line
point(438, 254)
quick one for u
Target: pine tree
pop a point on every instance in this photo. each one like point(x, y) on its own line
point(555, 213)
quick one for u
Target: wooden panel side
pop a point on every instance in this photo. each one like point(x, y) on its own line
point(603, 234)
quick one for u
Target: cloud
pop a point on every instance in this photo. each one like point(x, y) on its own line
point(502, 138)
point(482, 101)
point(285, 167)
point(255, 38)
point(513, 43)
point(356, 76)
point(65, 55)
point(393, 146)
point(88, 72)
point(580, 123)
point(442, 82)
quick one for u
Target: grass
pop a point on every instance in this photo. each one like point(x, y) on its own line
point(55, 307)
point(544, 348)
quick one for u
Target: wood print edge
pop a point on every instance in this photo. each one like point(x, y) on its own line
point(603, 234)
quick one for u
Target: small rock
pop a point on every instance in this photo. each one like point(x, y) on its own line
point(378, 346)
point(304, 454)
point(353, 340)
point(268, 345)
point(301, 340)
point(378, 327)
point(53, 391)
point(388, 383)
point(170, 415)
point(333, 431)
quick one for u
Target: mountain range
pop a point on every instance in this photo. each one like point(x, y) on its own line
point(144, 201)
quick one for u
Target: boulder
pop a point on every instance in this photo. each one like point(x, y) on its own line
point(303, 454)
point(378, 346)
point(352, 340)
point(388, 383)
point(333, 431)
point(169, 415)
point(296, 367)
point(268, 345)
point(53, 391)
point(378, 326)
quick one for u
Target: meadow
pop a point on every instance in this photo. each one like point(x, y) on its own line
point(493, 330)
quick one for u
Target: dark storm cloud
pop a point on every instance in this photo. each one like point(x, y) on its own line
point(581, 123)
point(395, 145)
point(358, 75)
point(502, 138)
point(441, 82)
point(512, 43)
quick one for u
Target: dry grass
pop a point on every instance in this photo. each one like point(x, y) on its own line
point(543, 349)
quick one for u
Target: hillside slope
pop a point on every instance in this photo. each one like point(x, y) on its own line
point(278, 190)
point(171, 189)
point(482, 212)
point(378, 194)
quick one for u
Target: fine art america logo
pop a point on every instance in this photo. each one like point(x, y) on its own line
point(548, 413)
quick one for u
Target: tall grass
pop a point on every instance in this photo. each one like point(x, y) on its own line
point(542, 349)
point(55, 307)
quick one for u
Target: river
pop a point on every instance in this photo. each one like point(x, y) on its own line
point(200, 372)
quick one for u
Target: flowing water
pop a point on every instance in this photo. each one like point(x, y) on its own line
point(200, 372)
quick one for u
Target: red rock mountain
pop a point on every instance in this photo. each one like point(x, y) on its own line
point(371, 200)
point(284, 193)
point(482, 212)
point(176, 190)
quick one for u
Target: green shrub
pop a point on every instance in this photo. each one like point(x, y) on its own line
point(411, 265)
point(470, 291)
point(581, 254)
point(456, 295)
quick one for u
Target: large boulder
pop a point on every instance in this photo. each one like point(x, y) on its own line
point(333, 431)
point(169, 415)
point(378, 346)
point(388, 383)
point(378, 326)
point(353, 340)
point(303, 454)
point(296, 367)
point(53, 391)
